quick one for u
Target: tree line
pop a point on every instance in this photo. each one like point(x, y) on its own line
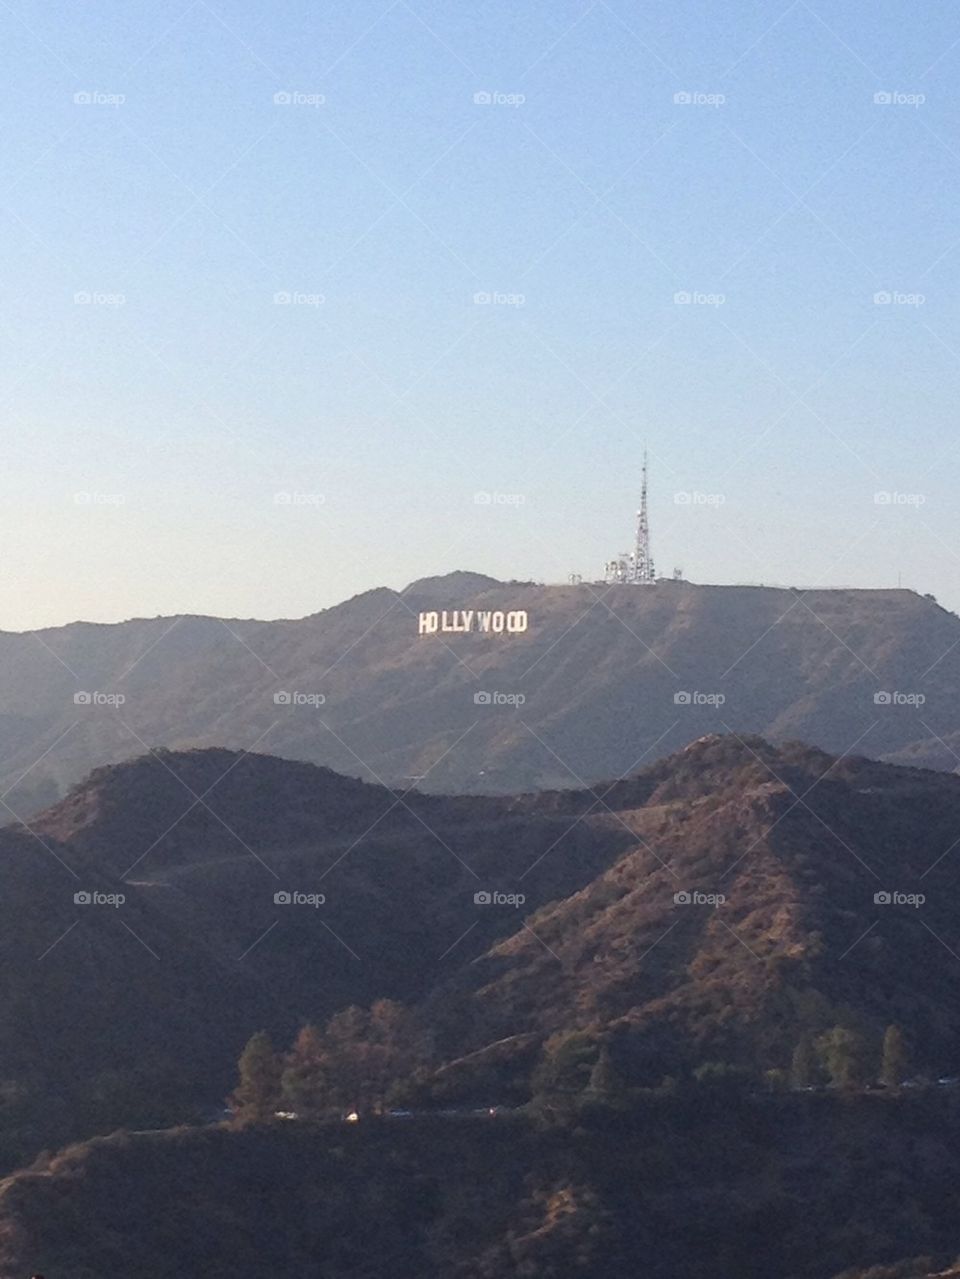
point(365, 1060)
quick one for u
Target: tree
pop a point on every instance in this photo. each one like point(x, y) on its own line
point(846, 1057)
point(305, 1084)
point(895, 1063)
point(803, 1067)
point(606, 1083)
point(356, 1061)
point(257, 1094)
point(564, 1072)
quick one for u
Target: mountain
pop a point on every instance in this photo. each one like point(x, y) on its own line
point(172, 904)
point(769, 894)
point(263, 893)
point(600, 679)
point(678, 933)
point(798, 1188)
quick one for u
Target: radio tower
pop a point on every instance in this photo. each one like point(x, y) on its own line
point(642, 570)
point(636, 569)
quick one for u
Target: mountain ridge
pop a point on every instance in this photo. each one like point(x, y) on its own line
point(587, 691)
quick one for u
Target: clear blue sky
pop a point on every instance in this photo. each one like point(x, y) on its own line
point(184, 410)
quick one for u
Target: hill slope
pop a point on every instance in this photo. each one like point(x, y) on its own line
point(378, 898)
point(133, 1012)
point(219, 893)
point(797, 1189)
point(599, 669)
point(744, 917)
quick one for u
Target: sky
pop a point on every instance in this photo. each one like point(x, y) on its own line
point(301, 299)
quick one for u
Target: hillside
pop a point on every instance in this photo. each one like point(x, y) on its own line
point(783, 851)
point(135, 1010)
point(362, 691)
point(802, 1188)
point(148, 1003)
point(678, 933)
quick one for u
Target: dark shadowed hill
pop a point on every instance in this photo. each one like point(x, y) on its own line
point(172, 904)
point(609, 677)
point(709, 913)
point(264, 893)
point(793, 1188)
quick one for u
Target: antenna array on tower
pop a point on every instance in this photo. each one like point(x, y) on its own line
point(636, 568)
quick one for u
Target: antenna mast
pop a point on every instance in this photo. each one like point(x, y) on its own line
point(635, 569)
point(642, 569)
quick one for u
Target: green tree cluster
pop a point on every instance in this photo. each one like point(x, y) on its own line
point(353, 1063)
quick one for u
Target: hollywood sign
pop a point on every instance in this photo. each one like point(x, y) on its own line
point(465, 621)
